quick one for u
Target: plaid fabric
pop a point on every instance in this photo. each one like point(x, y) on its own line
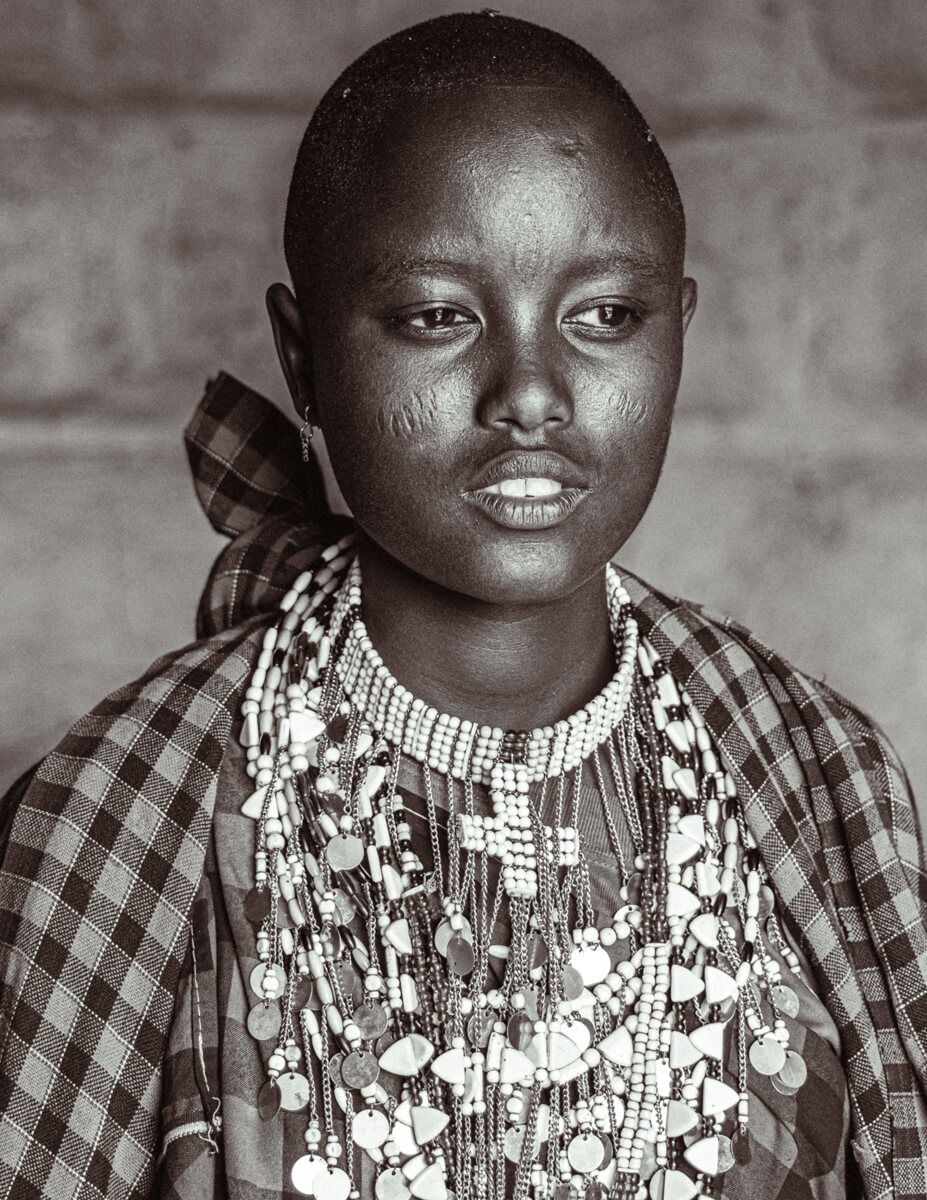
point(107, 849)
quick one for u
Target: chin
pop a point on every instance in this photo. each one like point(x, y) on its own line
point(524, 574)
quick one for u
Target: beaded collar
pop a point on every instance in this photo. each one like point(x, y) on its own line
point(596, 1067)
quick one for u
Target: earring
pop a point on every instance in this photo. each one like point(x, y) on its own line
point(306, 433)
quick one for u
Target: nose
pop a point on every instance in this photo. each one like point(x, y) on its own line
point(526, 391)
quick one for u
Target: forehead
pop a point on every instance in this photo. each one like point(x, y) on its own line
point(445, 167)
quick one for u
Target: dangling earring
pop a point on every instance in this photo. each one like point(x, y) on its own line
point(306, 433)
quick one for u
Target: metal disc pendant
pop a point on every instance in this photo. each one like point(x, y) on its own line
point(371, 1020)
point(269, 1100)
point(767, 1056)
point(384, 1041)
point(304, 1172)
point(303, 994)
point(359, 1070)
point(479, 1027)
point(344, 907)
point(348, 977)
point(793, 1072)
point(370, 1128)
point(520, 1030)
point(785, 1000)
point(344, 852)
point(334, 1068)
point(725, 1154)
point(446, 931)
point(537, 951)
point(585, 1153)
point(460, 955)
point(257, 905)
point(391, 1185)
point(332, 1184)
point(264, 1021)
point(294, 1091)
point(767, 900)
point(572, 983)
point(256, 980)
point(783, 1088)
point(330, 938)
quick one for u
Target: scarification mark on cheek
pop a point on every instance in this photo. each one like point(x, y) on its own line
point(408, 418)
point(628, 404)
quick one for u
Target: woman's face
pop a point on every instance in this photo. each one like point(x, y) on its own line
point(497, 341)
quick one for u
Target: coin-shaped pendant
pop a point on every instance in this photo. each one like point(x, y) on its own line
point(520, 1030)
point(257, 905)
point(269, 1100)
point(479, 1027)
point(585, 1152)
point(460, 955)
point(264, 1021)
point(740, 1144)
point(332, 1184)
point(370, 1128)
point(572, 983)
point(537, 951)
point(785, 1000)
point(391, 1185)
point(445, 931)
point(371, 1019)
point(284, 920)
point(767, 1056)
point(783, 1088)
point(303, 994)
point(359, 1069)
point(793, 1072)
point(257, 980)
point(330, 937)
point(344, 907)
point(348, 977)
point(725, 1154)
point(294, 1091)
point(383, 1042)
point(334, 1068)
point(344, 852)
point(304, 1171)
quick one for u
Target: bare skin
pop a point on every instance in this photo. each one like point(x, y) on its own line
point(505, 303)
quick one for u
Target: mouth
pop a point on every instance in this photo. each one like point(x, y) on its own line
point(528, 490)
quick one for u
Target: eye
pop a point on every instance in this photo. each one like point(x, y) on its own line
point(438, 321)
point(608, 320)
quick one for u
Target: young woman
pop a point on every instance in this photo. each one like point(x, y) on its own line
point(448, 862)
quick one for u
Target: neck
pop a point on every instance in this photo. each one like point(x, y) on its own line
point(511, 666)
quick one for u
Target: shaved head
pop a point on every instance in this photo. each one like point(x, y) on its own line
point(448, 59)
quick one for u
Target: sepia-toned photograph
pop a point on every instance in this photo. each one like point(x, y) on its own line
point(464, 546)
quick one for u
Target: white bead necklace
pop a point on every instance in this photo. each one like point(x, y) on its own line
point(602, 1051)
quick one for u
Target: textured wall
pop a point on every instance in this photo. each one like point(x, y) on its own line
point(144, 152)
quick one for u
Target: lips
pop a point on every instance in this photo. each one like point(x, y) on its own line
point(528, 490)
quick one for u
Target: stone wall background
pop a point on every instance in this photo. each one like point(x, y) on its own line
point(144, 158)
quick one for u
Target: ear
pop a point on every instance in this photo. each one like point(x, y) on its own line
point(689, 300)
point(293, 349)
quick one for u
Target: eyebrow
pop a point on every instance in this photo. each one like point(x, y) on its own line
point(388, 271)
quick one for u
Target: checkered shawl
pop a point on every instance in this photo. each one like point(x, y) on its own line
point(107, 845)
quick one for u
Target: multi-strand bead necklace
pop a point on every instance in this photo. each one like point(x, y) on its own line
point(576, 1061)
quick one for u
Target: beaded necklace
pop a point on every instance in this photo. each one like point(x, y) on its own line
point(575, 1062)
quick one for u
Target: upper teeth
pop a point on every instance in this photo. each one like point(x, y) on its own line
point(524, 487)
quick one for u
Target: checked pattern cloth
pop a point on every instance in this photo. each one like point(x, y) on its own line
point(106, 851)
